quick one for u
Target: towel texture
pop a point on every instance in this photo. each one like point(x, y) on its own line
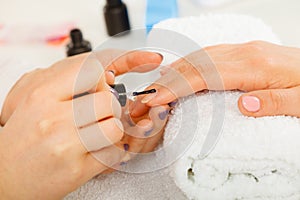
point(254, 158)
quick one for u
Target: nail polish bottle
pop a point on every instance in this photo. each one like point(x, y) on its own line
point(116, 17)
point(77, 45)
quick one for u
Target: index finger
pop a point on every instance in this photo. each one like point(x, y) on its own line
point(120, 61)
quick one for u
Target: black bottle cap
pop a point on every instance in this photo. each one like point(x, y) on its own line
point(116, 17)
point(113, 2)
point(121, 90)
point(77, 45)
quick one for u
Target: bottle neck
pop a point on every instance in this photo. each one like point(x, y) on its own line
point(114, 2)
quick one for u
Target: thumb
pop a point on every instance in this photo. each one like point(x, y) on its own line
point(271, 102)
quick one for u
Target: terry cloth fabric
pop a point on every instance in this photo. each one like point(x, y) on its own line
point(254, 159)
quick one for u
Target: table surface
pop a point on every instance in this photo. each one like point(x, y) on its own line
point(281, 15)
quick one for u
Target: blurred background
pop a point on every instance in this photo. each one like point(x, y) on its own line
point(24, 25)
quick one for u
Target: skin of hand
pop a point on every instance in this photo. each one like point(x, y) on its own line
point(269, 74)
point(144, 131)
point(43, 151)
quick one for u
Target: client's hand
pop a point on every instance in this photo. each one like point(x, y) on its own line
point(51, 143)
point(268, 73)
point(144, 131)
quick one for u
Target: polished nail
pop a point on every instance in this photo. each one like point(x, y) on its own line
point(126, 147)
point(163, 115)
point(251, 103)
point(160, 55)
point(147, 133)
point(111, 71)
point(173, 103)
point(149, 97)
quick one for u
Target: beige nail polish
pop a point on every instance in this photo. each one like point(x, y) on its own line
point(149, 97)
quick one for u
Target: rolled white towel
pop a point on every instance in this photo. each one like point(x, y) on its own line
point(254, 158)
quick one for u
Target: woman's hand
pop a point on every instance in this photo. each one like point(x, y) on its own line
point(268, 73)
point(143, 132)
point(51, 143)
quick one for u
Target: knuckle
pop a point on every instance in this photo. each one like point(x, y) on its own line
point(35, 95)
point(45, 126)
point(76, 171)
point(258, 61)
point(59, 150)
point(253, 47)
point(256, 43)
point(277, 98)
point(184, 66)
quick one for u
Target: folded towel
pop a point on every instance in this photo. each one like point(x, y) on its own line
point(254, 158)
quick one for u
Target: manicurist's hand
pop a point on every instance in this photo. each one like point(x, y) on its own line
point(269, 75)
point(52, 143)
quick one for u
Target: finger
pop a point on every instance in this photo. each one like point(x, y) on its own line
point(137, 135)
point(76, 75)
point(137, 108)
point(102, 134)
point(109, 170)
point(146, 129)
point(134, 61)
point(170, 87)
point(159, 117)
point(152, 142)
point(109, 157)
point(271, 102)
point(110, 77)
point(95, 107)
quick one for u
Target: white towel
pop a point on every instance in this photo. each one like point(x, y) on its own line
point(254, 158)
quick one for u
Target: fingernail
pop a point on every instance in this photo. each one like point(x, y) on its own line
point(126, 147)
point(123, 163)
point(110, 75)
point(112, 90)
point(173, 103)
point(163, 114)
point(147, 133)
point(111, 71)
point(126, 158)
point(149, 97)
point(251, 103)
point(161, 56)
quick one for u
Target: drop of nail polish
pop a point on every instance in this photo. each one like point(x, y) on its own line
point(147, 133)
point(126, 147)
point(163, 114)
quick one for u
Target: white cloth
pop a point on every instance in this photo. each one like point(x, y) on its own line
point(255, 159)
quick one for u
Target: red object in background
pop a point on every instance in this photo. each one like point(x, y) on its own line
point(50, 34)
point(58, 40)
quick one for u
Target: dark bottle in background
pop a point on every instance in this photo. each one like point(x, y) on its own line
point(116, 17)
point(77, 44)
